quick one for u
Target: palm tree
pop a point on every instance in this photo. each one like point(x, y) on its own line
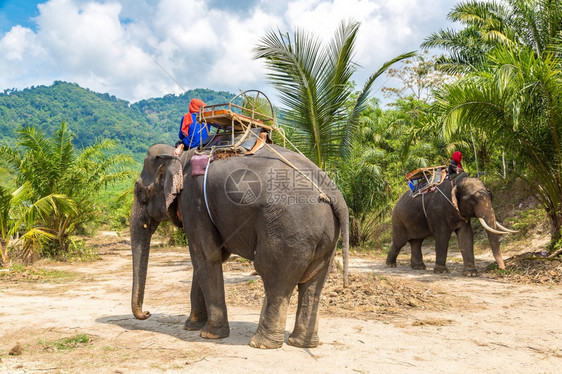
point(532, 23)
point(53, 167)
point(516, 99)
point(314, 83)
point(361, 179)
point(20, 221)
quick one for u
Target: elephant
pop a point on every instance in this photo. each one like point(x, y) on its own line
point(260, 207)
point(435, 214)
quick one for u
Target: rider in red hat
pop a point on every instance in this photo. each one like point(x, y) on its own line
point(455, 166)
point(191, 132)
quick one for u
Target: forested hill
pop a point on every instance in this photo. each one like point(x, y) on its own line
point(92, 115)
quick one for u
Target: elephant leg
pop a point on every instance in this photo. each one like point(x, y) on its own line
point(465, 239)
point(398, 241)
point(281, 269)
point(198, 316)
point(210, 278)
point(271, 328)
point(305, 332)
point(416, 257)
point(441, 248)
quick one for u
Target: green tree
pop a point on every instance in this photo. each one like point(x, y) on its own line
point(418, 76)
point(486, 24)
point(314, 82)
point(52, 166)
point(19, 221)
point(516, 99)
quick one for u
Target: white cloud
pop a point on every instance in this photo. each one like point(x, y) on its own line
point(21, 58)
point(109, 45)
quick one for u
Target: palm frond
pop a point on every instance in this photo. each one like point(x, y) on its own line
point(362, 100)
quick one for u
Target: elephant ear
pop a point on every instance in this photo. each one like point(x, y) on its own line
point(170, 174)
point(454, 198)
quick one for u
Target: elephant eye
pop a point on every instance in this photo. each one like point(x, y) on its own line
point(140, 193)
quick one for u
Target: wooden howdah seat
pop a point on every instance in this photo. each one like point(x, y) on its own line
point(239, 128)
point(423, 179)
point(228, 118)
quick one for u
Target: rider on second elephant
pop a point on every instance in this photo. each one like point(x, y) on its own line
point(438, 212)
point(455, 167)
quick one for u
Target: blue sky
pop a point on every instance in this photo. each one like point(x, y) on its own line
point(17, 12)
point(117, 46)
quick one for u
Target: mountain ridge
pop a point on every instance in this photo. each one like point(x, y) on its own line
point(92, 115)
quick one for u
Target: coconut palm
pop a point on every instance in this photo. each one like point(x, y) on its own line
point(314, 82)
point(516, 99)
point(532, 23)
point(20, 221)
point(53, 167)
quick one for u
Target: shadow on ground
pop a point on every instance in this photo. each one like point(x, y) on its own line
point(172, 325)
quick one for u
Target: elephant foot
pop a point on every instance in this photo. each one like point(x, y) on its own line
point(261, 342)
point(418, 266)
point(440, 269)
point(303, 342)
point(390, 264)
point(215, 332)
point(470, 272)
point(194, 325)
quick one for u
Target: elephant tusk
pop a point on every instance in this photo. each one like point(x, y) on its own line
point(505, 228)
point(483, 223)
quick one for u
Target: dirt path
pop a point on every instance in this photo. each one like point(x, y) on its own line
point(493, 327)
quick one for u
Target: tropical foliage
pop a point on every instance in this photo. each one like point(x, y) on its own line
point(20, 221)
point(516, 99)
point(53, 172)
point(512, 98)
point(487, 24)
point(314, 83)
point(322, 113)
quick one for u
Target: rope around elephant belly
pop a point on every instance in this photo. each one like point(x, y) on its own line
point(205, 192)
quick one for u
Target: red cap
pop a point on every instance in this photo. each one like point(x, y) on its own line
point(457, 157)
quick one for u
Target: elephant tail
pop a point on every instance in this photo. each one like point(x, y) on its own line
point(340, 209)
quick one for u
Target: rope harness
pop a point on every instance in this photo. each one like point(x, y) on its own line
point(205, 193)
point(323, 196)
point(236, 120)
point(453, 203)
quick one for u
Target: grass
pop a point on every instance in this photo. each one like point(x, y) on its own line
point(33, 274)
point(79, 251)
point(66, 344)
point(509, 270)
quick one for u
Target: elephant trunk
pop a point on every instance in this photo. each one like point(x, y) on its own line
point(141, 233)
point(488, 218)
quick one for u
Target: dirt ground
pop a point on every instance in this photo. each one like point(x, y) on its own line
point(76, 317)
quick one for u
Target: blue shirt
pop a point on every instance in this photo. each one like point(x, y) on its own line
point(196, 133)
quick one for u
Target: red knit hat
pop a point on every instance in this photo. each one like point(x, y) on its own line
point(457, 157)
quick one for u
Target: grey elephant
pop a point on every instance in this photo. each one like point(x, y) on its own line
point(439, 213)
point(258, 207)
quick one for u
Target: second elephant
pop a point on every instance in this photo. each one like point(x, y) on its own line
point(435, 214)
